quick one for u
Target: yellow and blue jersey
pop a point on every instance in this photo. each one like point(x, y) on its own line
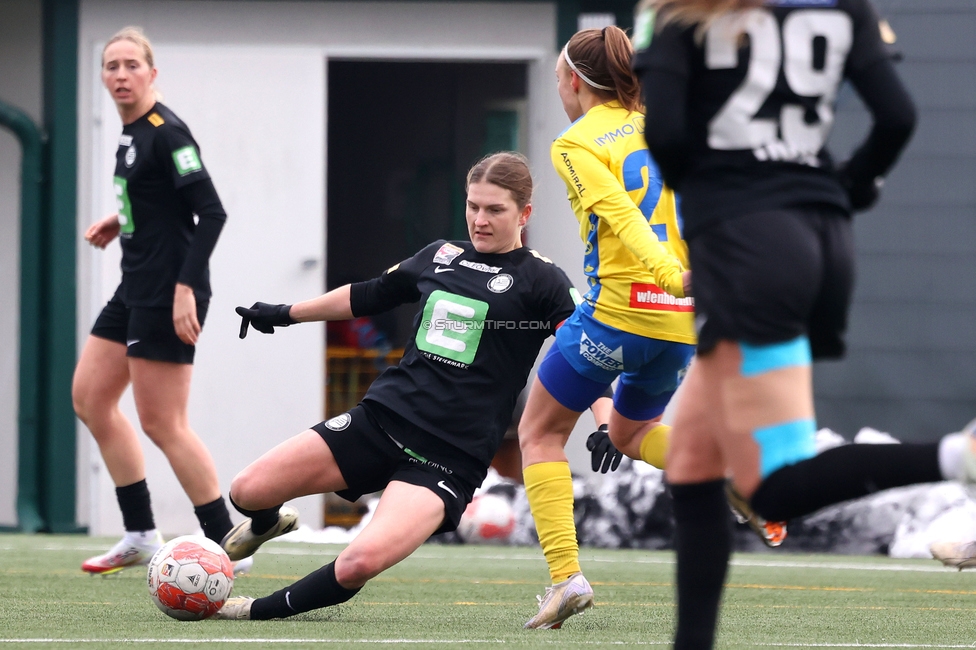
point(635, 253)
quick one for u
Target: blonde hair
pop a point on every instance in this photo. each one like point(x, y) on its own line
point(133, 35)
point(603, 56)
point(694, 12)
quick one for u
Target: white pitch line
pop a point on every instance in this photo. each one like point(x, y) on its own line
point(262, 641)
point(768, 564)
point(383, 641)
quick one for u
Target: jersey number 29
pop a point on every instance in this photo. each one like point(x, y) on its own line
point(790, 49)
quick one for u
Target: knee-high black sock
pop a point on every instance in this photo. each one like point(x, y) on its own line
point(214, 519)
point(261, 520)
point(316, 590)
point(843, 473)
point(703, 541)
point(137, 514)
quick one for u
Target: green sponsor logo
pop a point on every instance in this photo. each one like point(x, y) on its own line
point(452, 326)
point(123, 205)
point(187, 160)
point(643, 29)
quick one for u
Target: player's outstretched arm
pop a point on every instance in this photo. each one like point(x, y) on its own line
point(264, 317)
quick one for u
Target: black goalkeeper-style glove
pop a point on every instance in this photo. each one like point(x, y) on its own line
point(602, 451)
point(264, 317)
point(862, 194)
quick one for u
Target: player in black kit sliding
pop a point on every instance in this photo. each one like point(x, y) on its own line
point(427, 429)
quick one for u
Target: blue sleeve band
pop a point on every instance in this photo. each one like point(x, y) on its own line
point(757, 359)
point(784, 444)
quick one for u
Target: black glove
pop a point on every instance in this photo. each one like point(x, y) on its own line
point(862, 194)
point(602, 451)
point(264, 317)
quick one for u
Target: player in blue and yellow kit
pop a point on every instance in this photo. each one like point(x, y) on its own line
point(636, 319)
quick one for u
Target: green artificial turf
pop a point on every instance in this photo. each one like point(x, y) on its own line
point(479, 596)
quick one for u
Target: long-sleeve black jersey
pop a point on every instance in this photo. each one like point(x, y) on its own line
point(738, 115)
point(160, 183)
point(482, 322)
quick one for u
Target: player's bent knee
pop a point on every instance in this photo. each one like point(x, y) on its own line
point(243, 490)
point(358, 565)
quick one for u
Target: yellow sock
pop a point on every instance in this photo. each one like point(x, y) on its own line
point(654, 446)
point(549, 489)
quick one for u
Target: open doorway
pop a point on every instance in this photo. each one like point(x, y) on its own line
point(400, 139)
point(401, 136)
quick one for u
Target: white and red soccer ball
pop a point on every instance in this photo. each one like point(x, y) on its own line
point(190, 578)
point(488, 519)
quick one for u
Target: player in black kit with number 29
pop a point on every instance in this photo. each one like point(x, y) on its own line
point(740, 100)
point(428, 428)
point(146, 334)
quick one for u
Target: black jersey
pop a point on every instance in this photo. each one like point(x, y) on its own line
point(482, 321)
point(157, 157)
point(760, 94)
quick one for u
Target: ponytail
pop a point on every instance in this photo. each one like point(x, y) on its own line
point(602, 59)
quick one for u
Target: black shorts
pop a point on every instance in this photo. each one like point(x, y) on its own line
point(770, 277)
point(370, 455)
point(146, 332)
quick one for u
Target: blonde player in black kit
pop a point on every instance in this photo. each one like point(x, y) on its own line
point(740, 99)
point(145, 335)
point(427, 429)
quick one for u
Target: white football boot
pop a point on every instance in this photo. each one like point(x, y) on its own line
point(132, 550)
point(243, 566)
point(240, 542)
point(237, 608)
point(961, 555)
point(562, 600)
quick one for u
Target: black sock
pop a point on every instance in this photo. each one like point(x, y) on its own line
point(261, 520)
point(316, 590)
point(703, 541)
point(844, 473)
point(137, 514)
point(214, 519)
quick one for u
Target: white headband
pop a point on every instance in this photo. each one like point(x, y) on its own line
point(579, 74)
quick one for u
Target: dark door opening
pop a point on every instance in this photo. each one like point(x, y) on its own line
point(401, 137)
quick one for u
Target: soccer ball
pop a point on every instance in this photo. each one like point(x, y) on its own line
point(488, 519)
point(190, 578)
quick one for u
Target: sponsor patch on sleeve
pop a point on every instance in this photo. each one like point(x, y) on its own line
point(187, 160)
point(156, 120)
point(446, 254)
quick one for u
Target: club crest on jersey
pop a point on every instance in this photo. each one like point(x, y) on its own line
point(130, 156)
point(500, 283)
point(601, 355)
point(339, 422)
point(446, 254)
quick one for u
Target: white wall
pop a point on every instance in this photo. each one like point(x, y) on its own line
point(415, 31)
point(20, 86)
